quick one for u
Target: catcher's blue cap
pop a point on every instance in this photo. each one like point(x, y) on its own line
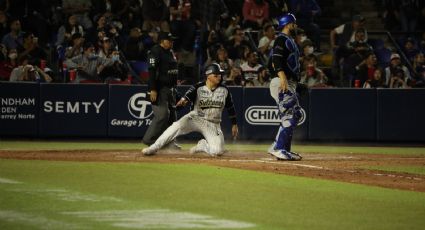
point(286, 19)
point(214, 69)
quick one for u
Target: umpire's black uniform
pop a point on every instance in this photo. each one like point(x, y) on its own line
point(162, 80)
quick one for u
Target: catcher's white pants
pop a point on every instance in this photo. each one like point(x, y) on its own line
point(191, 122)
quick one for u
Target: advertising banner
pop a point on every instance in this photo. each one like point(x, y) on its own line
point(130, 111)
point(401, 115)
point(74, 110)
point(19, 104)
point(342, 114)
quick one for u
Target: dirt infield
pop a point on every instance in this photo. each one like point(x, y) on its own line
point(350, 168)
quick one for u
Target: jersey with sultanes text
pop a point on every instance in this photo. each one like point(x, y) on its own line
point(209, 104)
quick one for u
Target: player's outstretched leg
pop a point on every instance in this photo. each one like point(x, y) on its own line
point(178, 128)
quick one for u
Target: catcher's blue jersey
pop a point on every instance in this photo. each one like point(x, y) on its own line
point(285, 57)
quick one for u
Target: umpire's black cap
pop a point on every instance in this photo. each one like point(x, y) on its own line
point(165, 36)
point(214, 69)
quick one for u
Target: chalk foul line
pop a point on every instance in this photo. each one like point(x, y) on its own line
point(160, 219)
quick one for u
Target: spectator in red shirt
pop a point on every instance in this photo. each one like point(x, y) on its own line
point(255, 13)
point(8, 65)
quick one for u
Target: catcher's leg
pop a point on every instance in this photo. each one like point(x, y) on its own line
point(281, 148)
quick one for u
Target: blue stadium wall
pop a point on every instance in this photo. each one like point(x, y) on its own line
point(123, 111)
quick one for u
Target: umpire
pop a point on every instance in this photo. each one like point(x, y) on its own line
point(162, 82)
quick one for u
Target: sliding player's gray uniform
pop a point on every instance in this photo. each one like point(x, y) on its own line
point(205, 118)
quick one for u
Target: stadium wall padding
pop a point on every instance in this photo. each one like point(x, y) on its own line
point(100, 110)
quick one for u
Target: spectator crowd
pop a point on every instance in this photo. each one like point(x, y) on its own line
point(107, 41)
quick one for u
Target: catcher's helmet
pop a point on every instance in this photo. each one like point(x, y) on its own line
point(286, 19)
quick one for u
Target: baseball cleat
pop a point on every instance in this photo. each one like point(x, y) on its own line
point(148, 151)
point(285, 155)
point(295, 156)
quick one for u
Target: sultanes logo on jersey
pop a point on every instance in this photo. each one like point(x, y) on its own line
point(206, 104)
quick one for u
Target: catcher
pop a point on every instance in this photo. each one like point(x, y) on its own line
point(284, 62)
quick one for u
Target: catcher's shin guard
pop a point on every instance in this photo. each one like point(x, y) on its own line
point(284, 138)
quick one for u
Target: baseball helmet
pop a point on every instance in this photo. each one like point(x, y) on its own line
point(286, 19)
point(214, 69)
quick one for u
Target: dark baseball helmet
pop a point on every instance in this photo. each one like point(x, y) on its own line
point(214, 69)
point(286, 19)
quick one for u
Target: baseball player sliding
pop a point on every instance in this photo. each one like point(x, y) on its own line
point(284, 61)
point(208, 99)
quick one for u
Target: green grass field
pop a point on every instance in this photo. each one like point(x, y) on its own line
point(98, 195)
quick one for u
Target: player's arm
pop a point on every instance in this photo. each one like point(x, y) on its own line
point(153, 68)
point(232, 114)
point(190, 95)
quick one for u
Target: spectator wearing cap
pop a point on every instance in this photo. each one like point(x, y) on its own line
point(255, 13)
point(88, 64)
point(395, 65)
point(12, 39)
point(163, 73)
point(306, 11)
